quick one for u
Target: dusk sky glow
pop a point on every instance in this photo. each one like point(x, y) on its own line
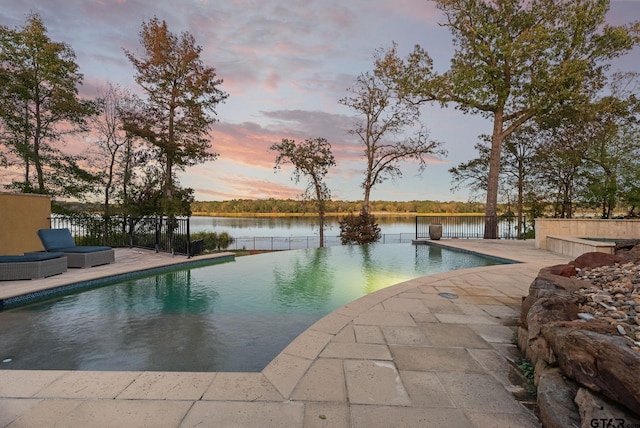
point(285, 65)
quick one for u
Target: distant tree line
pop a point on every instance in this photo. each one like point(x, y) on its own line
point(299, 207)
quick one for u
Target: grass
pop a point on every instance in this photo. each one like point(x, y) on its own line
point(528, 371)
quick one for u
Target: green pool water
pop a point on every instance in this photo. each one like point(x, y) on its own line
point(234, 316)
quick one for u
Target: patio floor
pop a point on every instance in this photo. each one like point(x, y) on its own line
point(403, 356)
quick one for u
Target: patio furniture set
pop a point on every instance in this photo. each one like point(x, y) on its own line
point(60, 252)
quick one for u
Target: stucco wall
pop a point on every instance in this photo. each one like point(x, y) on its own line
point(21, 215)
point(585, 228)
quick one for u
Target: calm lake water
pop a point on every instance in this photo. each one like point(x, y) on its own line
point(291, 226)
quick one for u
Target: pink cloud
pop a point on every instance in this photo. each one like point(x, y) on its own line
point(250, 188)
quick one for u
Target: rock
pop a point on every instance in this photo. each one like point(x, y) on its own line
point(562, 270)
point(595, 259)
point(631, 254)
point(593, 406)
point(549, 285)
point(556, 405)
point(604, 363)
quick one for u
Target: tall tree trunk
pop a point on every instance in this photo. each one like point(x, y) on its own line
point(491, 208)
point(36, 150)
point(321, 208)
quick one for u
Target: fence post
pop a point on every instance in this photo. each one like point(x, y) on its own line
point(158, 226)
point(188, 239)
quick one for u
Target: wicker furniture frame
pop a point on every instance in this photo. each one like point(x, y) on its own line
point(85, 260)
point(13, 271)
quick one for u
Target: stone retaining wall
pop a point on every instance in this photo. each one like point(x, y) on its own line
point(586, 372)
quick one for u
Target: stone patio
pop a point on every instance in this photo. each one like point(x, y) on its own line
point(403, 356)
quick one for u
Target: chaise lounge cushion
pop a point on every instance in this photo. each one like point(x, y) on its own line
point(31, 257)
point(60, 240)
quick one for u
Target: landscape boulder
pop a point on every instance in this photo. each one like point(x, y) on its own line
point(577, 331)
point(595, 259)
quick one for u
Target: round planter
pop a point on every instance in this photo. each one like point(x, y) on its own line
point(435, 231)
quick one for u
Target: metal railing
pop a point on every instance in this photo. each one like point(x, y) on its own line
point(271, 243)
point(471, 227)
point(156, 233)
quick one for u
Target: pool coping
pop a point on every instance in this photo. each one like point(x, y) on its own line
point(303, 386)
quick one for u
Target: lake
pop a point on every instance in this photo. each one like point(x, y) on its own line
point(291, 226)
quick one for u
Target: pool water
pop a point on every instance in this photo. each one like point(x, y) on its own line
point(234, 316)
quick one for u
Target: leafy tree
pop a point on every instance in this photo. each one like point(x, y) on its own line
point(611, 154)
point(39, 104)
point(360, 229)
point(517, 172)
point(515, 60)
point(182, 94)
point(388, 126)
point(312, 158)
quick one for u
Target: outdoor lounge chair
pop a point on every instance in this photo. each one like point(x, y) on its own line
point(32, 266)
point(60, 240)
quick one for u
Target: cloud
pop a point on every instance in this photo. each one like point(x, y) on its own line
point(249, 188)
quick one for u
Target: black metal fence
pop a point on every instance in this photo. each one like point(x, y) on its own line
point(469, 226)
point(268, 243)
point(156, 233)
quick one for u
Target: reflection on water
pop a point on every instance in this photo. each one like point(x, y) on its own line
point(234, 316)
point(307, 283)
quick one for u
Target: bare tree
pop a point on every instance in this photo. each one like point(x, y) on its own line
point(388, 126)
point(311, 158)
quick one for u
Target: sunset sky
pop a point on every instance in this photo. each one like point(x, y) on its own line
point(285, 65)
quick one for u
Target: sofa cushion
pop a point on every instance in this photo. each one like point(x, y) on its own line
point(53, 239)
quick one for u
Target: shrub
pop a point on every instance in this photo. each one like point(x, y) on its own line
point(213, 241)
point(361, 229)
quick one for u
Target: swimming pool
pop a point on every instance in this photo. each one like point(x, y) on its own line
point(234, 316)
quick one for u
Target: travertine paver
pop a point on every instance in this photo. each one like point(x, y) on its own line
point(494, 333)
point(369, 334)
point(465, 319)
point(402, 357)
point(456, 335)
point(374, 382)
point(285, 371)
point(478, 391)
point(324, 381)
point(356, 351)
point(241, 387)
point(88, 385)
point(168, 386)
point(12, 409)
point(511, 420)
point(384, 318)
point(123, 413)
point(411, 336)
point(308, 345)
point(20, 383)
point(425, 389)
point(404, 305)
point(326, 415)
point(406, 417)
point(434, 359)
point(244, 414)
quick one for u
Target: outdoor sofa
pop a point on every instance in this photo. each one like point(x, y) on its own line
point(78, 256)
point(32, 266)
